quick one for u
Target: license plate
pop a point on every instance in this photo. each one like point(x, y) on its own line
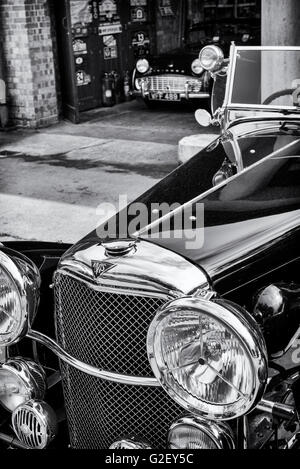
point(165, 96)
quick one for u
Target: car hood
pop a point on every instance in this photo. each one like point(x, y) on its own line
point(179, 59)
point(228, 225)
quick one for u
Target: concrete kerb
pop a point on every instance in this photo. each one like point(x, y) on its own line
point(191, 145)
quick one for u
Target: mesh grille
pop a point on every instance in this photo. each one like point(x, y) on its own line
point(101, 412)
point(106, 330)
point(109, 330)
point(173, 83)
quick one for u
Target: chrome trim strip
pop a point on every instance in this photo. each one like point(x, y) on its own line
point(262, 48)
point(261, 107)
point(108, 288)
point(89, 369)
point(229, 74)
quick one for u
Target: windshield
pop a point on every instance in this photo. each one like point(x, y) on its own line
point(266, 78)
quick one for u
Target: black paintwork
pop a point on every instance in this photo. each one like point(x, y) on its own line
point(237, 216)
point(178, 59)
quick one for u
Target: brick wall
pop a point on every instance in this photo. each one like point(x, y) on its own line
point(29, 63)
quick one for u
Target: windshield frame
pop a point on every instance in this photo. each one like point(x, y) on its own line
point(229, 105)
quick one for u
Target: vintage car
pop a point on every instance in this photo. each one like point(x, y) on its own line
point(176, 323)
point(175, 77)
point(178, 76)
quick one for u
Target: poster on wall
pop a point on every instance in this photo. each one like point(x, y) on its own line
point(110, 47)
point(82, 78)
point(110, 29)
point(140, 44)
point(81, 12)
point(166, 8)
point(138, 10)
point(108, 11)
point(138, 15)
point(109, 19)
point(79, 47)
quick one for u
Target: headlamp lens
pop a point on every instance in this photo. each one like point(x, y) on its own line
point(10, 308)
point(142, 66)
point(207, 358)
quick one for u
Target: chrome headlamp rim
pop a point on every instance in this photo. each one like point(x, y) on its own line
point(31, 375)
point(25, 276)
point(219, 432)
point(139, 65)
point(219, 58)
point(235, 319)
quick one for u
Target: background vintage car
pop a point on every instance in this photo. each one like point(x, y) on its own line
point(177, 76)
point(172, 77)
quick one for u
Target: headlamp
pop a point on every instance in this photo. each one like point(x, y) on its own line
point(209, 356)
point(193, 433)
point(19, 296)
point(20, 381)
point(197, 67)
point(211, 58)
point(142, 66)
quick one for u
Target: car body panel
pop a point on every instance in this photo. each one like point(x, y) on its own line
point(241, 218)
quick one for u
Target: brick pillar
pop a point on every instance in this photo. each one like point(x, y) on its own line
point(28, 53)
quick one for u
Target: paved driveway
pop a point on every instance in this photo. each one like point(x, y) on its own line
point(53, 180)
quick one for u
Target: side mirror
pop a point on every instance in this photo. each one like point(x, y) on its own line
point(203, 118)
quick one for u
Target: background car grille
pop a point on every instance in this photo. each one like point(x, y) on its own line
point(109, 330)
point(173, 83)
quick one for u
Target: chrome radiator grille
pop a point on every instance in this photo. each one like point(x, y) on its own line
point(172, 83)
point(100, 412)
point(108, 330)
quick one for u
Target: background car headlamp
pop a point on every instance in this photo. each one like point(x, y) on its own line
point(20, 381)
point(142, 66)
point(193, 433)
point(19, 296)
point(211, 58)
point(209, 356)
point(197, 67)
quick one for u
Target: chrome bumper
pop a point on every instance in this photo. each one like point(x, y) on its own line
point(183, 95)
